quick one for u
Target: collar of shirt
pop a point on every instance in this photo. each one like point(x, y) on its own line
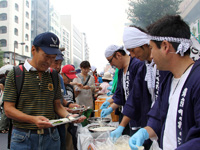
point(28, 66)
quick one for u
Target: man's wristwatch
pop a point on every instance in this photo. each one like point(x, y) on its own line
point(69, 114)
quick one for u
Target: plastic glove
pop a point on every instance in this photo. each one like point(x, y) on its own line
point(111, 83)
point(106, 112)
point(108, 98)
point(109, 93)
point(114, 135)
point(105, 105)
point(138, 138)
point(109, 88)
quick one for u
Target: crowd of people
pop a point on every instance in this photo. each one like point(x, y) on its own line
point(154, 91)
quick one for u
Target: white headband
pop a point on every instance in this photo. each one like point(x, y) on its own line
point(183, 46)
point(133, 37)
point(111, 49)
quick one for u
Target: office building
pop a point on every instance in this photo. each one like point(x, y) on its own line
point(15, 30)
point(39, 17)
point(76, 42)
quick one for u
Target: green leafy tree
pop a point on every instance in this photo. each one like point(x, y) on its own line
point(144, 12)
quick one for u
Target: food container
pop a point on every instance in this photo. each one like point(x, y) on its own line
point(99, 129)
point(102, 97)
point(98, 103)
point(99, 120)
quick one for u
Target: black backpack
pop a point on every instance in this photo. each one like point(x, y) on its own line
point(19, 81)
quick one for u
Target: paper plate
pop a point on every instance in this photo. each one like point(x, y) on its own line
point(77, 109)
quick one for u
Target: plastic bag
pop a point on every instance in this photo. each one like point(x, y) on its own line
point(100, 141)
point(84, 138)
point(155, 146)
point(103, 142)
point(122, 143)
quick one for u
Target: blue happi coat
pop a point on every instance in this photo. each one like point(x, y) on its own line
point(139, 101)
point(188, 111)
point(119, 95)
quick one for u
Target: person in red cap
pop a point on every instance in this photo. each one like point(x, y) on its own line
point(65, 136)
point(68, 73)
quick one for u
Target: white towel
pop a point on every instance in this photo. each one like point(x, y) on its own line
point(133, 38)
point(111, 49)
point(150, 77)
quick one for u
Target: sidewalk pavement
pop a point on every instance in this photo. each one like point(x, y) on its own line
point(3, 141)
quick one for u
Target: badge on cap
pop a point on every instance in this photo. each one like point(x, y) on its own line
point(54, 41)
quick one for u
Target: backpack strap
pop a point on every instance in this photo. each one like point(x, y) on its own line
point(88, 78)
point(82, 80)
point(19, 81)
point(54, 76)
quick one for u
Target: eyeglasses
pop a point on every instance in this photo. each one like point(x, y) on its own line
point(110, 61)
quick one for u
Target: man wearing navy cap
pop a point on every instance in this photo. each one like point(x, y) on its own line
point(38, 102)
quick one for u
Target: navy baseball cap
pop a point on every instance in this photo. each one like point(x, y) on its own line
point(48, 42)
point(59, 57)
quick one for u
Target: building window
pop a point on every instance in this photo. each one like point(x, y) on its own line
point(3, 29)
point(16, 19)
point(27, 26)
point(26, 49)
point(27, 15)
point(3, 43)
point(26, 37)
point(3, 4)
point(16, 7)
point(15, 44)
point(3, 16)
point(27, 3)
point(16, 31)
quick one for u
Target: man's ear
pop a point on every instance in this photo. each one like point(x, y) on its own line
point(166, 46)
point(33, 49)
point(118, 54)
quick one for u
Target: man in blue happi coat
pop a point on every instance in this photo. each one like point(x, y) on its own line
point(146, 83)
point(128, 67)
point(175, 116)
